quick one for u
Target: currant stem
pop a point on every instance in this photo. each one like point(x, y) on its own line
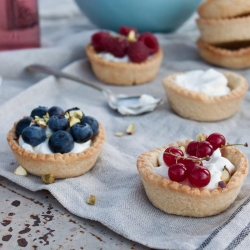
point(228, 145)
point(207, 158)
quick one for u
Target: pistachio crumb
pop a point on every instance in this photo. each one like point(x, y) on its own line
point(91, 200)
point(48, 178)
point(131, 36)
point(20, 171)
point(119, 134)
point(130, 129)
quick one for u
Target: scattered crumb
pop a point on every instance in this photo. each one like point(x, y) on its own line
point(91, 200)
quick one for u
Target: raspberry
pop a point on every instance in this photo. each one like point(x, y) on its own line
point(98, 40)
point(117, 46)
point(150, 41)
point(137, 52)
point(124, 30)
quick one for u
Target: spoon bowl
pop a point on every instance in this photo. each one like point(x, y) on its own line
point(125, 105)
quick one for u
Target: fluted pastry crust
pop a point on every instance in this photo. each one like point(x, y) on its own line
point(175, 198)
point(124, 73)
point(234, 59)
point(60, 165)
point(224, 8)
point(198, 106)
point(216, 31)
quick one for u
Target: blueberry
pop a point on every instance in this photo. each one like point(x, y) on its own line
point(22, 124)
point(33, 135)
point(39, 111)
point(55, 110)
point(61, 142)
point(58, 122)
point(93, 123)
point(81, 132)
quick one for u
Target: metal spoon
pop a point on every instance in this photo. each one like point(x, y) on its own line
point(125, 105)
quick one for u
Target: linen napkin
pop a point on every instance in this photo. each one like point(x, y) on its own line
point(122, 204)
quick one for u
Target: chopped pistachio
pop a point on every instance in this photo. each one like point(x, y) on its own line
point(91, 200)
point(66, 115)
point(73, 120)
point(48, 178)
point(119, 134)
point(201, 137)
point(48, 136)
point(20, 171)
point(131, 36)
point(41, 123)
point(225, 176)
point(182, 148)
point(130, 129)
point(75, 113)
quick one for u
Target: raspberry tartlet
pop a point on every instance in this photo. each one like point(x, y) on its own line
point(180, 197)
point(127, 58)
point(53, 142)
point(202, 107)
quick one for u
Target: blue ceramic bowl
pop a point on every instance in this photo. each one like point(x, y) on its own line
point(145, 15)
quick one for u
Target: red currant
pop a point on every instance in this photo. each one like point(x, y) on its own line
point(204, 148)
point(192, 147)
point(177, 172)
point(171, 159)
point(199, 177)
point(190, 162)
point(217, 140)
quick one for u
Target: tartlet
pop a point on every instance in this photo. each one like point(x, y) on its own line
point(233, 56)
point(200, 107)
point(124, 73)
point(60, 165)
point(176, 198)
point(224, 30)
point(224, 8)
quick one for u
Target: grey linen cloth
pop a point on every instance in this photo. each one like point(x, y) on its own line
point(122, 204)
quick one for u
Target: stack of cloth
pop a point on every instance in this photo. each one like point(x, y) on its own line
point(225, 33)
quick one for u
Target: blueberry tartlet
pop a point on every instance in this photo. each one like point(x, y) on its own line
point(196, 178)
point(53, 141)
point(126, 58)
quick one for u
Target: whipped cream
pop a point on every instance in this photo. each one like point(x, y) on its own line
point(215, 166)
point(210, 82)
point(43, 148)
point(111, 58)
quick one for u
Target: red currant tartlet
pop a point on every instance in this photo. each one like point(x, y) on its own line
point(124, 58)
point(57, 143)
point(193, 178)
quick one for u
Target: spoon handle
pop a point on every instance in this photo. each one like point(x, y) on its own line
point(48, 70)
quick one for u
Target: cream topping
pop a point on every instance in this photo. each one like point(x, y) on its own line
point(111, 58)
point(210, 82)
point(215, 166)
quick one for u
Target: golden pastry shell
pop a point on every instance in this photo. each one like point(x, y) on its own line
point(232, 59)
point(200, 107)
point(60, 165)
point(124, 73)
point(219, 31)
point(176, 198)
point(224, 8)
